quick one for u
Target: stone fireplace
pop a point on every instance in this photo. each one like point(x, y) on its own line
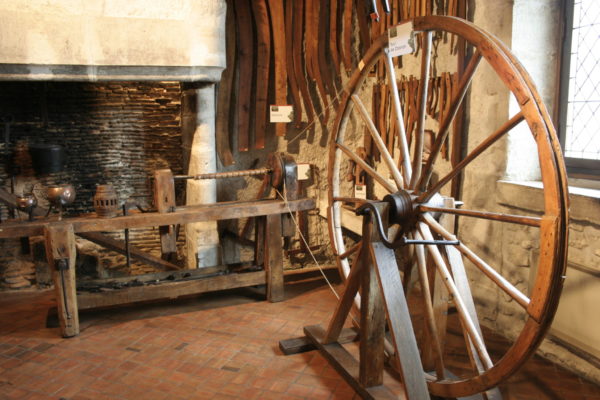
point(104, 79)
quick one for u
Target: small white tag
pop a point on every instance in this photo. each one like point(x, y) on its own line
point(360, 192)
point(401, 39)
point(281, 114)
point(303, 172)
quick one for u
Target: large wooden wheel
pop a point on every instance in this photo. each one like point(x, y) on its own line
point(408, 174)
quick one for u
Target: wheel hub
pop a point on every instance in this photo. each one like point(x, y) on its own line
point(402, 209)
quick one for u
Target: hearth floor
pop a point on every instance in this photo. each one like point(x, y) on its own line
point(215, 346)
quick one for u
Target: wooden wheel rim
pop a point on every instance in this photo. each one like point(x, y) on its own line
point(553, 227)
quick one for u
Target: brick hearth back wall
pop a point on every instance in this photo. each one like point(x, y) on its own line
point(113, 132)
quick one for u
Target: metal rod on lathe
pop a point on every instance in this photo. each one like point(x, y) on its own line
point(230, 174)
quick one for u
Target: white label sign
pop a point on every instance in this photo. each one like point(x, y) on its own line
point(360, 192)
point(281, 114)
point(401, 39)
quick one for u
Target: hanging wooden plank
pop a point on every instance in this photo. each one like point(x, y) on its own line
point(263, 66)
point(346, 46)
point(223, 117)
point(299, 59)
point(333, 35)
point(289, 63)
point(245, 72)
point(279, 56)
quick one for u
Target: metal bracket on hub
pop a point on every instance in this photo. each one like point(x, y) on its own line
point(369, 207)
point(62, 264)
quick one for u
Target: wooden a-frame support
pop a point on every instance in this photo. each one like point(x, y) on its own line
point(375, 274)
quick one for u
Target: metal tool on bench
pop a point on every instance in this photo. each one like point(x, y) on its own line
point(60, 196)
point(27, 203)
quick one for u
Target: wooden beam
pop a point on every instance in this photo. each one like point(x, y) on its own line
point(187, 274)
point(169, 290)
point(99, 238)
point(182, 215)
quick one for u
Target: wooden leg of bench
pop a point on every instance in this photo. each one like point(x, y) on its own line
point(273, 253)
point(61, 252)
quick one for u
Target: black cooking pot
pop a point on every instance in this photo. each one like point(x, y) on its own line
point(47, 158)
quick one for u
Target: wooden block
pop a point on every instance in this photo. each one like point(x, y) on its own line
point(61, 254)
point(303, 344)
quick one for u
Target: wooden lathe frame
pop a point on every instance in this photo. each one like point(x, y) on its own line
point(61, 253)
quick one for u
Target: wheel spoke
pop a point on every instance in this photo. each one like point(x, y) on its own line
point(424, 280)
point(422, 98)
point(368, 169)
point(379, 142)
point(510, 218)
point(463, 312)
point(491, 273)
point(505, 128)
point(350, 251)
point(402, 143)
point(457, 99)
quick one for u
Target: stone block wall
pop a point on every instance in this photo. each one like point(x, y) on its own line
point(113, 132)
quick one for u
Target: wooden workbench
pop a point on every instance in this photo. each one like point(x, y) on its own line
point(61, 253)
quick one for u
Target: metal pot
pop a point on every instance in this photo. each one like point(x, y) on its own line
point(26, 202)
point(47, 158)
point(60, 195)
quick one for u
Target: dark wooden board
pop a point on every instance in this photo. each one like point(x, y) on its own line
point(169, 290)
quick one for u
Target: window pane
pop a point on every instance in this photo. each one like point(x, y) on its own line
point(583, 117)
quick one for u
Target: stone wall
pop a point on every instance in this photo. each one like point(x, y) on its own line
point(531, 29)
point(115, 133)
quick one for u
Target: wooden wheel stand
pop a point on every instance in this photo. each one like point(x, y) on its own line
point(271, 215)
point(375, 274)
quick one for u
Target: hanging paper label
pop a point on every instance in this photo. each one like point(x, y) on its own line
point(360, 191)
point(303, 171)
point(281, 114)
point(401, 39)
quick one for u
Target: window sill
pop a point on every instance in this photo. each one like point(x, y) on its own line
point(584, 202)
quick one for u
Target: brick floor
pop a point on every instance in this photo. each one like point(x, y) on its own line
point(216, 346)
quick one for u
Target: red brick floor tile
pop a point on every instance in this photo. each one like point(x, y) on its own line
point(191, 350)
point(296, 389)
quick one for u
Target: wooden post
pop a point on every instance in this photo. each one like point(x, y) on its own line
point(164, 201)
point(60, 252)
point(273, 256)
point(372, 328)
point(259, 239)
point(372, 319)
